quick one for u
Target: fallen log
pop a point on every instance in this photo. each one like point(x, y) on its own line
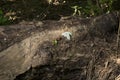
point(27, 45)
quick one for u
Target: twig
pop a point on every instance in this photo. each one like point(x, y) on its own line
point(91, 66)
point(118, 36)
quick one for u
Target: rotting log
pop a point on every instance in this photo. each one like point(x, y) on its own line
point(22, 41)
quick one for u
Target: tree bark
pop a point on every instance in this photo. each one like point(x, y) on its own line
point(20, 52)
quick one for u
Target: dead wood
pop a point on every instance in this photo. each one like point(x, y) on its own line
point(30, 45)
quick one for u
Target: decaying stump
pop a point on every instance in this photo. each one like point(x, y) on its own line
point(30, 45)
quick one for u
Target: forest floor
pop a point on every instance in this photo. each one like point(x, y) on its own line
point(88, 58)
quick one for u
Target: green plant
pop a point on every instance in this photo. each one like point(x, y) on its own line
point(106, 5)
point(55, 42)
point(93, 7)
point(3, 20)
point(77, 10)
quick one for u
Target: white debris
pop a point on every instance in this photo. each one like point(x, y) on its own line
point(67, 35)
